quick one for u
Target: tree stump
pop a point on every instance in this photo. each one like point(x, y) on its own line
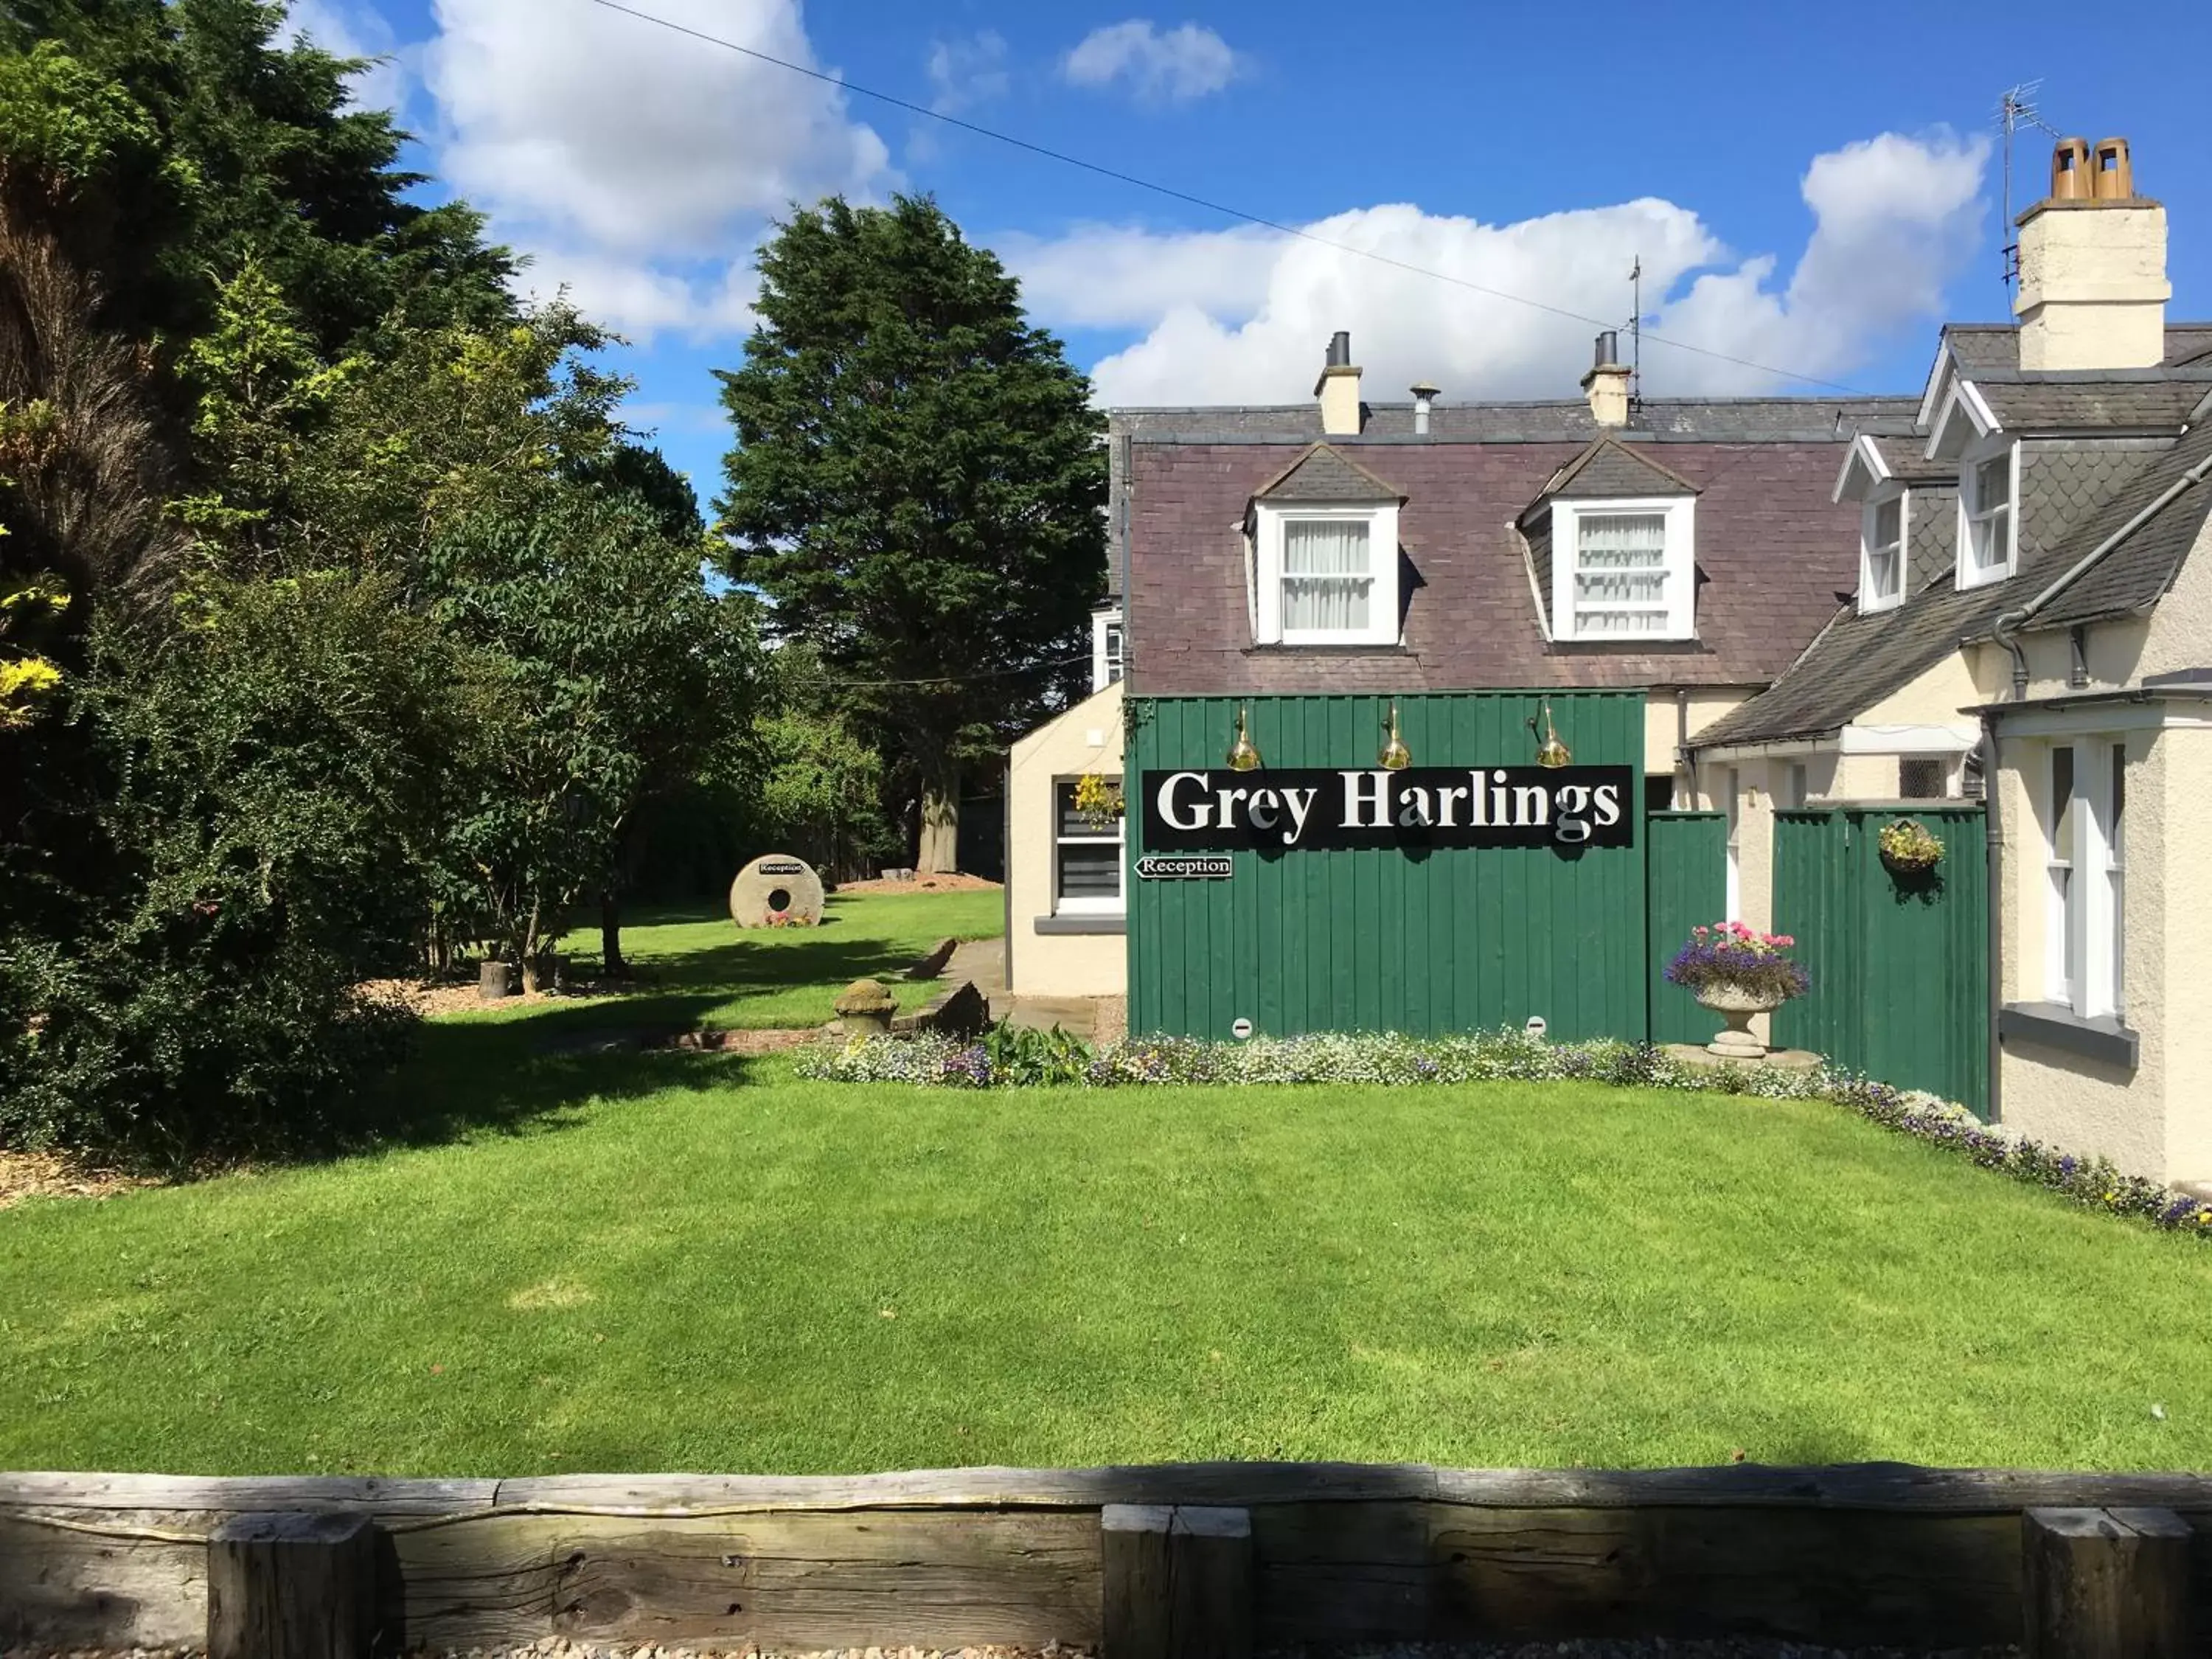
point(1178, 1581)
point(495, 980)
point(292, 1586)
point(2104, 1583)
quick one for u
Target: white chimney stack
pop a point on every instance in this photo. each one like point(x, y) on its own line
point(2092, 286)
point(1339, 390)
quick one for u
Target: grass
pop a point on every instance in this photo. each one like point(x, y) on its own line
point(711, 974)
point(664, 1261)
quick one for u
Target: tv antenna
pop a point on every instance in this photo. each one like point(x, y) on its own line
point(2016, 109)
point(1636, 334)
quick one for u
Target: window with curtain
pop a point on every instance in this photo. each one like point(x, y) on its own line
point(1986, 502)
point(1883, 583)
point(1086, 856)
point(1328, 578)
point(1620, 574)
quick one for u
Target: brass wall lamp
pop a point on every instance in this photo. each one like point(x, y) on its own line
point(1243, 753)
point(1550, 751)
point(1396, 756)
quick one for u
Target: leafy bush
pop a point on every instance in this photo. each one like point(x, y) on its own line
point(1005, 1058)
point(1729, 953)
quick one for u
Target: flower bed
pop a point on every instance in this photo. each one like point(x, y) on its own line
point(934, 1061)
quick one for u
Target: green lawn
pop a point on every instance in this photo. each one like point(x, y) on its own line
point(685, 1261)
point(709, 973)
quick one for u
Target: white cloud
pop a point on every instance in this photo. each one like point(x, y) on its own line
point(347, 30)
point(965, 73)
point(1244, 317)
point(1175, 64)
point(634, 163)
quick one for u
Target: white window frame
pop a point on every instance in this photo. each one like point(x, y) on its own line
point(1681, 569)
point(1106, 662)
point(1972, 511)
point(1381, 518)
point(1870, 602)
point(1732, 805)
point(2085, 914)
point(1080, 905)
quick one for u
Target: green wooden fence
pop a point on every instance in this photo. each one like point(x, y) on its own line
point(1687, 856)
point(1384, 939)
point(1899, 964)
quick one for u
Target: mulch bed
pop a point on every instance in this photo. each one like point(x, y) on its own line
point(950, 884)
point(43, 1175)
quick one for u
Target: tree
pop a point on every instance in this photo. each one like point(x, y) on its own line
point(613, 661)
point(917, 485)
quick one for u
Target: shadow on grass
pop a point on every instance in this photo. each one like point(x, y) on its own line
point(470, 1077)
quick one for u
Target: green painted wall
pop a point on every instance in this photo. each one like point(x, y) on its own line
point(1458, 940)
point(1899, 965)
point(1686, 853)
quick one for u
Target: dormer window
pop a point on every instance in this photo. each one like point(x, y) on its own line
point(1989, 525)
point(1325, 555)
point(1106, 647)
point(1882, 551)
point(1624, 568)
point(1328, 575)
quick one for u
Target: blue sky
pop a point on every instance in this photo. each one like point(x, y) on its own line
point(1812, 189)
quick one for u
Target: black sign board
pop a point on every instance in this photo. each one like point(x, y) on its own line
point(1186, 866)
point(1314, 810)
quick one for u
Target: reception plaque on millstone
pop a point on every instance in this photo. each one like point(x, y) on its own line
point(776, 891)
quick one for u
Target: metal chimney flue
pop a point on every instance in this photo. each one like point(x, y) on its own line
point(1424, 395)
point(1339, 348)
point(1608, 349)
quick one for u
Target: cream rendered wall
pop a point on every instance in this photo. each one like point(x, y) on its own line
point(1662, 736)
point(2179, 632)
point(1087, 737)
point(2058, 1097)
point(2174, 894)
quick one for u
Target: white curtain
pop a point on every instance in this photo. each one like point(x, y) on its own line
point(1325, 579)
point(1620, 573)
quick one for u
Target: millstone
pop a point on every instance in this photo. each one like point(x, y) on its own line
point(776, 890)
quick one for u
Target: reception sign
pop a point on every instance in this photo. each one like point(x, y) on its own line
point(1311, 809)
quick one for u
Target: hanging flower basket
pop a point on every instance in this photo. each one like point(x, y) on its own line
point(1098, 803)
point(1908, 848)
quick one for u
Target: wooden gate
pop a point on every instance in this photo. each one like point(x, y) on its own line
point(1900, 964)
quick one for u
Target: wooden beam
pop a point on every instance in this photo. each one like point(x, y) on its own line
point(1177, 1581)
point(2104, 1583)
point(291, 1585)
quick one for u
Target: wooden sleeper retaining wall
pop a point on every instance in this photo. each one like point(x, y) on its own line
point(1848, 1555)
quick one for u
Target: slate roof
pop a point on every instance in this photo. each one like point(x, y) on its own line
point(1323, 474)
point(1773, 552)
point(1609, 467)
point(1906, 457)
point(2070, 405)
point(1658, 420)
point(1978, 347)
point(1859, 660)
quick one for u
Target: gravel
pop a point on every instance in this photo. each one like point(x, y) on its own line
point(561, 1647)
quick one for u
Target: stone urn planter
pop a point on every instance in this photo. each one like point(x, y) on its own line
point(1735, 1003)
point(865, 1009)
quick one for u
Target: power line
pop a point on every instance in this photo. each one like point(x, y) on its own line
point(1173, 194)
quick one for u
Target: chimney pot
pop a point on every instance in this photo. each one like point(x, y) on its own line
point(1608, 349)
point(1339, 348)
point(2093, 282)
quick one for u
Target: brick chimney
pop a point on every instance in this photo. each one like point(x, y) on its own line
point(2092, 286)
point(1339, 390)
point(1606, 384)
